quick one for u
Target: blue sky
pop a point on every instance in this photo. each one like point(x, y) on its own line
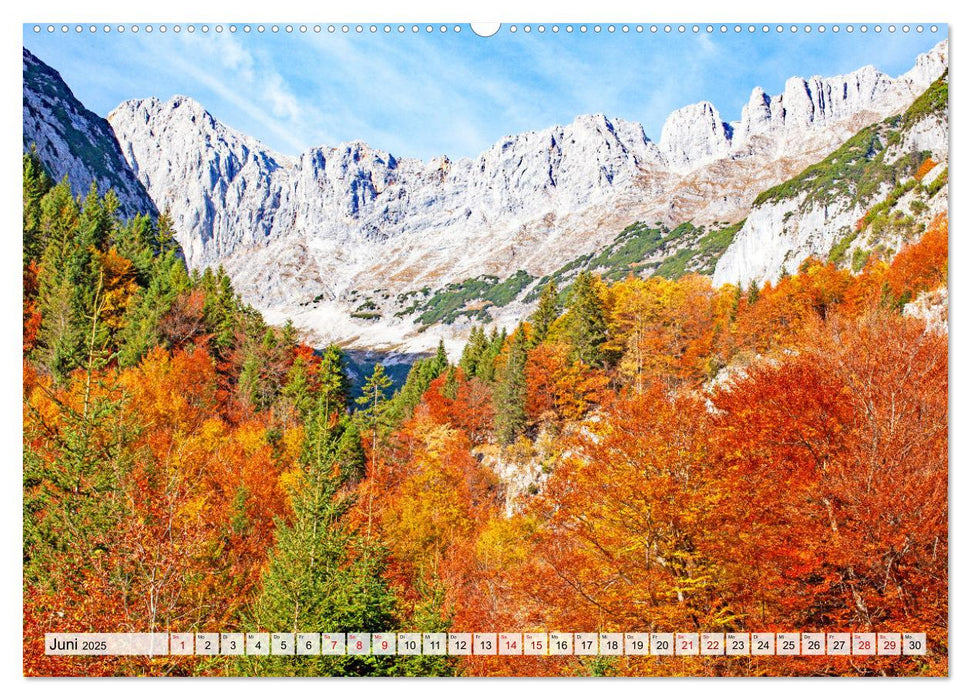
point(425, 94)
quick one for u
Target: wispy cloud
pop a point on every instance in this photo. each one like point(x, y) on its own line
point(428, 94)
point(424, 98)
point(247, 81)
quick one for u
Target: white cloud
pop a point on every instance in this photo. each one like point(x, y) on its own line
point(249, 82)
point(413, 96)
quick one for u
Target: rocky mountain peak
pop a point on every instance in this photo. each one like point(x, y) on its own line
point(349, 217)
point(694, 135)
point(73, 141)
point(928, 66)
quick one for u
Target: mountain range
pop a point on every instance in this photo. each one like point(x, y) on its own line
point(369, 250)
point(73, 141)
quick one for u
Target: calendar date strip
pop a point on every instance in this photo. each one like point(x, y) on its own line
point(487, 644)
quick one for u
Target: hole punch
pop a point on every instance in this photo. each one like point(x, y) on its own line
point(485, 29)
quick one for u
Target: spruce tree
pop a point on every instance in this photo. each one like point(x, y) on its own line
point(420, 377)
point(472, 353)
point(72, 477)
point(510, 396)
point(297, 390)
point(36, 185)
point(250, 382)
point(322, 575)
point(753, 292)
point(451, 386)
point(334, 385)
point(441, 359)
point(137, 240)
point(373, 404)
point(351, 459)
point(374, 396)
point(97, 222)
point(587, 324)
point(288, 338)
point(486, 367)
point(222, 308)
point(63, 284)
point(547, 311)
point(168, 279)
point(736, 300)
point(165, 234)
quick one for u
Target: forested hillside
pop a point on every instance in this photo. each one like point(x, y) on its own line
point(639, 455)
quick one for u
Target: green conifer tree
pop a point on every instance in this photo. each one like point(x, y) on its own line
point(288, 336)
point(97, 221)
point(296, 390)
point(586, 322)
point(421, 375)
point(374, 396)
point(137, 240)
point(165, 234)
point(350, 453)
point(486, 367)
point(753, 292)
point(441, 359)
point(373, 412)
point(736, 300)
point(322, 576)
point(472, 353)
point(140, 333)
point(222, 308)
point(250, 382)
point(451, 386)
point(334, 385)
point(36, 184)
point(63, 283)
point(510, 396)
point(72, 476)
point(547, 311)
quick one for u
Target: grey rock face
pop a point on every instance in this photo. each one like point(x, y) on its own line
point(334, 219)
point(72, 141)
point(779, 235)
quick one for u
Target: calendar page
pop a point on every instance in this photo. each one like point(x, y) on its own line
point(436, 349)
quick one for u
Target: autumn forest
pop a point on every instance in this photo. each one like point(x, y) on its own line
point(743, 458)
